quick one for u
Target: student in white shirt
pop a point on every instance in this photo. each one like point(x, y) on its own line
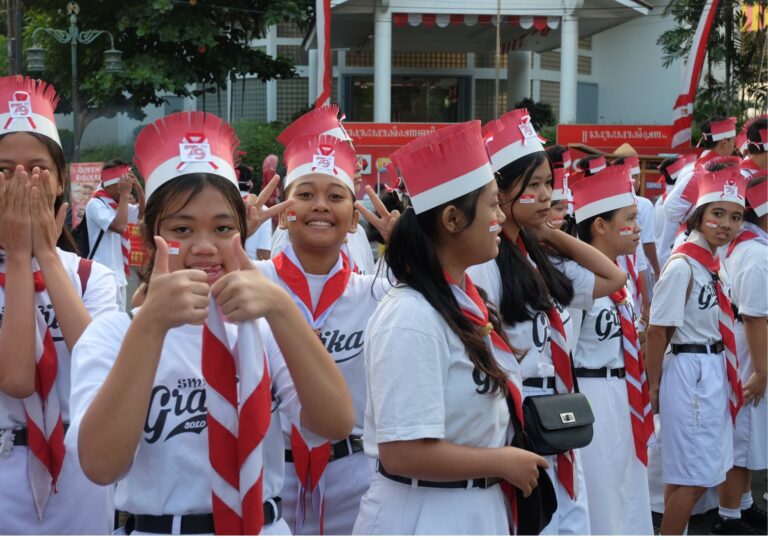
point(141, 389)
point(108, 213)
point(609, 367)
point(337, 304)
point(48, 296)
point(533, 285)
point(438, 372)
point(747, 265)
point(694, 384)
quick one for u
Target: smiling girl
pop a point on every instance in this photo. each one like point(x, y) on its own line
point(533, 292)
point(156, 396)
point(695, 384)
point(47, 298)
point(609, 366)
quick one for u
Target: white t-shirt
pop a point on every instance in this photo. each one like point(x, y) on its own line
point(695, 320)
point(357, 248)
point(260, 239)
point(533, 336)
point(170, 469)
point(342, 334)
point(646, 221)
point(420, 380)
point(748, 271)
point(598, 335)
point(99, 299)
point(109, 252)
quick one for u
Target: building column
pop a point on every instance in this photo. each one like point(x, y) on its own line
point(312, 94)
point(518, 77)
point(382, 64)
point(272, 84)
point(569, 58)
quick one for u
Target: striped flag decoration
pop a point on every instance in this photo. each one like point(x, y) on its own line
point(324, 65)
point(683, 109)
point(239, 402)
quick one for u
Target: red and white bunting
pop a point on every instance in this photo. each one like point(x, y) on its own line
point(443, 20)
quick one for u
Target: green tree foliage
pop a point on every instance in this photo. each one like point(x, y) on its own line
point(170, 47)
point(734, 76)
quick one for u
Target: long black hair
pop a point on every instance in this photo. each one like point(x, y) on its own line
point(412, 259)
point(524, 288)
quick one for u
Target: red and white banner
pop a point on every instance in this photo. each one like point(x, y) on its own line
point(324, 64)
point(683, 109)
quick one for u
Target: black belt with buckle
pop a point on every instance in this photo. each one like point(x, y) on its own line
point(481, 483)
point(345, 447)
point(20, 436)
point(193, 523)
point(600, 373)
point(714, 348)
point(539, 382)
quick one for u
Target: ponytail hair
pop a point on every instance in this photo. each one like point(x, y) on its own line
point(412, 259)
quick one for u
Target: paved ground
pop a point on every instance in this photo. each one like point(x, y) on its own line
point(702, 523)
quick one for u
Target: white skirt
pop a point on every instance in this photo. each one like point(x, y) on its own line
point(694, 412)
point(345, 482)
point(617, 482)
point(79, 506)
point(750, 440)
point(392, 508)
point(572, 516)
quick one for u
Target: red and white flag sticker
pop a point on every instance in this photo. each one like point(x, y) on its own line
point(527, 198)
point(174, 248)
point(625, 231)
point(494, 227)
point(291, 215)
point(712, 224)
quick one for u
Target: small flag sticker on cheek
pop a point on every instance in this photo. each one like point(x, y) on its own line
point(625, 231)
point(291, 216)
point(174, 248)
point(494, 227)
point(527, 198)
point(712, 224)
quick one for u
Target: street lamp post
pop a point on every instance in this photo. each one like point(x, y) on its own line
point(73, 36)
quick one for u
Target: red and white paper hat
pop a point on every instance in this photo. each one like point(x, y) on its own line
point(565, 161)
point(444, 165)
point(559, 184)
point(591, 164)
point(762, 142)
point(321, 121)
point(757, 197)
point(27, 105)
point(726, 185)
point(602, 192)
point(674, 168)
point(111, 176)
point(184, 143)
point(721, 129)
point(633, 163)
point(511, 137)
point(319, 154)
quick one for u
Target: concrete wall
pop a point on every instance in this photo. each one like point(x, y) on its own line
point(634, 86)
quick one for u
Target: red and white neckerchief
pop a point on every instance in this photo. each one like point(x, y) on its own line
point(45, 428)
point(749, 168)
point(630, 262)
point(474, 309)
point(748, 232)
point(310, 462)
point(561, 361)
point(239, 403)
point(639, 397)
point(125, 241)
point(724, 320)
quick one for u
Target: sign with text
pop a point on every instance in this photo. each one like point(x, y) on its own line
point(84, 179)
point(644, 139)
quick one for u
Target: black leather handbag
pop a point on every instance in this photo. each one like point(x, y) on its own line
point(557, 423)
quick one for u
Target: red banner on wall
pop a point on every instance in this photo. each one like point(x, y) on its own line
point(644, 139)
point(375, 142)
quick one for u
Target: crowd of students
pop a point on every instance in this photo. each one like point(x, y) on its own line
point(321, 392)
